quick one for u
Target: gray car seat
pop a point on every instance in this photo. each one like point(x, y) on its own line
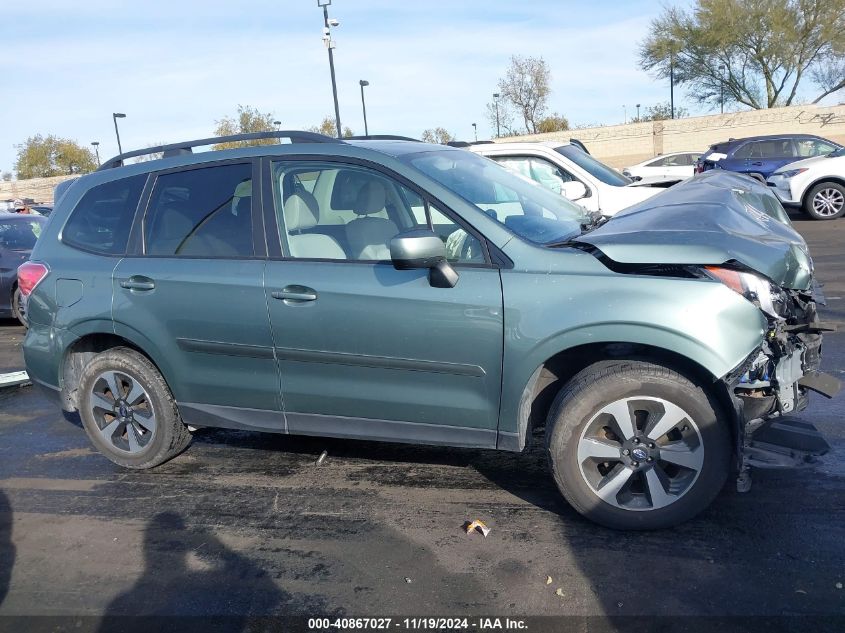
point(301, 213)
point(369, 237)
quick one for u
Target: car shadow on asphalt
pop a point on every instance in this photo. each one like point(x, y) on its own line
point(7, 548)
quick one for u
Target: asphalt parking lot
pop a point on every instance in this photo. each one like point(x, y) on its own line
point(244, 523)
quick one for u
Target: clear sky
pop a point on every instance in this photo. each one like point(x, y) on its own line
point(176, 67)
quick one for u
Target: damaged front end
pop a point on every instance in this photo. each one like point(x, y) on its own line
point(775, 380)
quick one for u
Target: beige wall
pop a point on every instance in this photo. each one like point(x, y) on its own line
point(623, 145)
point(39, 189)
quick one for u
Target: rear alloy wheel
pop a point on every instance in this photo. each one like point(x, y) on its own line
point(18, 310)
point(128, 410)
point(637, 446)
point(825, 201)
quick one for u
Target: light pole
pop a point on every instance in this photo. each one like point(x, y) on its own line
point(96, 145)
point(624, 114)
point(278, 125)
point(496, 97)
point(115, 116)
point(672, 81)
point(475, 131)
point(362, 83)
point(722, 87)
point(327, 39)
point(638, 113)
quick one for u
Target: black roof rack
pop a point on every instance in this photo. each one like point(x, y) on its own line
point(381, 137)
point(178, 149)
point(467, 143)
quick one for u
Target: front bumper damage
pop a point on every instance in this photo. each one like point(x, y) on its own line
point(773, 383)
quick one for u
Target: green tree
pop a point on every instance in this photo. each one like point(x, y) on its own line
point(553, 123)
point(525, 87)
point(6, 176)
point(754, 52)
point(327, 127)
point(42, 157)
point(248, 120)
point(437, 135)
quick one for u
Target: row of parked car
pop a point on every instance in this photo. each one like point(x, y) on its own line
point(804, 171)
point(388, 289)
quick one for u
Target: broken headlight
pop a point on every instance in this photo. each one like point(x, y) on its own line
point(758, 290)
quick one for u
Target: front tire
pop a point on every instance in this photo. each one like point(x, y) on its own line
point(825, 201)
point(128, 411)
point(637, 446)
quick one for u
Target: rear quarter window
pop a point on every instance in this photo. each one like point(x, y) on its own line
point(102, 218)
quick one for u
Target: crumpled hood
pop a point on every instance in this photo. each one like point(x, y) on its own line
point(711, 219)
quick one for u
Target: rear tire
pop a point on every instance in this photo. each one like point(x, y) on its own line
point(637, 446)
point(128, 411)
point(825, 201)
point(17, 307)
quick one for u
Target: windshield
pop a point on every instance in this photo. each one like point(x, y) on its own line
point(521, 205)
point(19, 235)
point(606, 174)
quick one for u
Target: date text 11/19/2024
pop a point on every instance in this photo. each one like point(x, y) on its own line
point(416, 624)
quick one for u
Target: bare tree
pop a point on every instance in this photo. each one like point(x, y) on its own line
point(437, 135)
point(526, 87)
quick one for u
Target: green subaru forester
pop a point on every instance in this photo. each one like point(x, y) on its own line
point(387, 289)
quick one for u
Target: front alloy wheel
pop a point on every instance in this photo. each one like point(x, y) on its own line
point(640, 453)
point(635, 445)
point(825, 201)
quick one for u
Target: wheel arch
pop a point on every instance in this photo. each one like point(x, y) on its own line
point(839, 180)
point(94, 337)
point(557, 370)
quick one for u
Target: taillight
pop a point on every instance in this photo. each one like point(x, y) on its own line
point(30, 275)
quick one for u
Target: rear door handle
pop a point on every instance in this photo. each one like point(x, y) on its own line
point(295, 294)
point(137, 282)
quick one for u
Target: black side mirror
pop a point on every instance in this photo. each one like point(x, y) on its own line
point(421, 248)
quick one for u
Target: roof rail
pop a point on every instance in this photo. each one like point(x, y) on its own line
point(467, 143)
point(177, 149)
point(381, 137)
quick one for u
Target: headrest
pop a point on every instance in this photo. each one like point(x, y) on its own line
point(175, 221)
point(371, 198)
point(301, 211)
point(244, 207)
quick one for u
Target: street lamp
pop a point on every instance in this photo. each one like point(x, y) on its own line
point(475, 131)
point(327, 40)
point(638, 113)
point(722, 87)
point(115, 116)
point(672, 79)
point(278, 125)
point(362, 83)
point(624, 114)
point(496, 97)
point(96, 145)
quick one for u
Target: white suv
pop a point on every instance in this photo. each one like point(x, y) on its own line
point(568, 170)
point(817, 184)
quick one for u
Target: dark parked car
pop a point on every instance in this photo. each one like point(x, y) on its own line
point(760, 156)
point(402, 291)
point(18, 234)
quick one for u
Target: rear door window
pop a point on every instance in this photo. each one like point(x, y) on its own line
point(203, 212)
point(101, 220)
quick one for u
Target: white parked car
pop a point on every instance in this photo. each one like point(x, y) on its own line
point(664, 169)
point(817, 184)
point(568, 170)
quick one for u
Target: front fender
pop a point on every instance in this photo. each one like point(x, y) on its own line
point(548, 314)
